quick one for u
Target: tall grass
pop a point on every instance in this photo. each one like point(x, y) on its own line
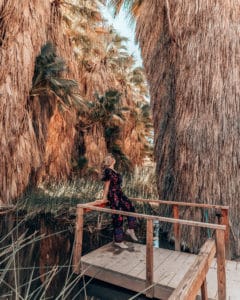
point(57, 198)
point(141, 183)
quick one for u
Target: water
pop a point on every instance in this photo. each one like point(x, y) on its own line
point(98, 290)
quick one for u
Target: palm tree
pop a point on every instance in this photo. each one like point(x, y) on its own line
point(190, 51)
point(139, 129)
point(23, 149)
point(104, 64)
point(108, 112)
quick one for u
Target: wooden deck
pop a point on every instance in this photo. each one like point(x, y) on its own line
point(127, 268)
point(156, 272)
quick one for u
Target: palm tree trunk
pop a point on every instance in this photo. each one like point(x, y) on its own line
point(191, 53)
point(25, 27)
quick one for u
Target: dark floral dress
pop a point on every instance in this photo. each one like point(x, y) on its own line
point(118, 201)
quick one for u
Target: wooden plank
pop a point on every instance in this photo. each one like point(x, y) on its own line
point(160, 258)
point(212, 282)
point(119, 260)
point(203, 205)
point(77, 253)
point(168, 268)
point(233, 280)
point(193, 279)
point(180, 270)
point(113, 258)
point(204, 292)
point(149, 258)
point(221, 268)
point(113, 277)
point(180, 266)
point(126, 263)
point(151, 217)
point(140, 269)
point(176, 228)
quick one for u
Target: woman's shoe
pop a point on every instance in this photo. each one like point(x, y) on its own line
point(132, 234)
point(121, 245)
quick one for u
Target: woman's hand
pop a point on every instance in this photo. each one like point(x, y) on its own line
point(101, 201)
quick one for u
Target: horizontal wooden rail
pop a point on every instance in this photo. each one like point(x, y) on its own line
point(223, 217)
point(196, 275)
point(151, 217)
point(200, 205)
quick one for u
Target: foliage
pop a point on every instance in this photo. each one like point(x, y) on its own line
point(48, 79)
point(105, 64)
point(80, 163)
point(55, 198)
point(106, 109)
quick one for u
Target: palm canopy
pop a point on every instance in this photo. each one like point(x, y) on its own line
point(48, 79)
point(104, 65)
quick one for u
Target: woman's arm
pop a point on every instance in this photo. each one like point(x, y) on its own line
point(105, 193)
point(106, 189)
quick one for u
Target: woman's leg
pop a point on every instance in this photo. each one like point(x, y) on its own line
point(118, 228)
point(127, 205)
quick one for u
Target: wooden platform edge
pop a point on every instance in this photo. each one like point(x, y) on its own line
point(124, 280)
point(195, 277)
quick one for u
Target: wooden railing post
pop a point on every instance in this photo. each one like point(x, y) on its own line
point(149, 259)
point(204, 292)
point(77, 252)
point(221, 269)
point(176, 228)
point(225, 221)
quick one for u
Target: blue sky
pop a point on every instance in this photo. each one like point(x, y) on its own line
point(123, 26)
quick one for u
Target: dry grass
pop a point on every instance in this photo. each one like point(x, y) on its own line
point(55, 198)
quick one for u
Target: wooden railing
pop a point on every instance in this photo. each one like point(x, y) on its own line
point(221, 211)
point(206, 254)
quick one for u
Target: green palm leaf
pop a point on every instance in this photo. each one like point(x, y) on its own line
point(48, 79)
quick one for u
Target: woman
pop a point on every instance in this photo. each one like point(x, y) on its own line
point(117, 200)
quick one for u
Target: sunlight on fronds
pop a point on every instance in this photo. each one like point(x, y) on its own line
point(132, 6)
point(48, 79)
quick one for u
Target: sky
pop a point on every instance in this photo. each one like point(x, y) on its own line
point(122, 25)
